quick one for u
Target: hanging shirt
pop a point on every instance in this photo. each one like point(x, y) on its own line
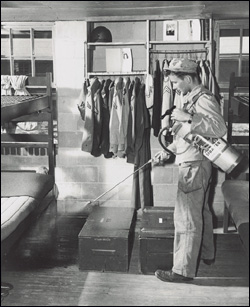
point(167, 100)
point(212, 84)
point(134, 87)
point(125, 109)
point(117, 141)
point(149, 91)
point(142, 193)
point(156, 121)
point(204, 77)
point(88, 130)
point(98, 117)
point(82, 99)
point(105, 120)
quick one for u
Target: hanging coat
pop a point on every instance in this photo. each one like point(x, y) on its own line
point(125, 109)
point(167, 97)
point(98, 117)
point(134, 88)
point(117, 140)
point(88, 130)
point(105, 120)
point(156, 121)
point(142, 192)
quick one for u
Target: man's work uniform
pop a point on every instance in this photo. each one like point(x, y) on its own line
point(192, 217)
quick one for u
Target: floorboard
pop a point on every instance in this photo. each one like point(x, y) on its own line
point(43, 268)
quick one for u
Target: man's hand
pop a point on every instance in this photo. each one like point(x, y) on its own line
point(180, 115)
point(161, 157)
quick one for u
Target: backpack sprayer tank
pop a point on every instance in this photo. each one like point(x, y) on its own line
point(218, 151)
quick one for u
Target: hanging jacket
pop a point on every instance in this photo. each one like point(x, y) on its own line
point(82, 99)
point(149, 91)
point(105, 120)
point(167, 97)
point(156, 121)
point(88, 130)
point(134, 88)
point(125, 109)
point(117, 140)
point(212, 84)
point(204, 77)
point(98, 117)
point(142, 192)
point(111, 94)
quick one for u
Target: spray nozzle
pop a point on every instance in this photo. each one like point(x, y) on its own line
point(168, 112)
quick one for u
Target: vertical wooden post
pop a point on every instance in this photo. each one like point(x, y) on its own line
point(51, 150)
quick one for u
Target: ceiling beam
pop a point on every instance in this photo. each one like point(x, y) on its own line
point(19, 11)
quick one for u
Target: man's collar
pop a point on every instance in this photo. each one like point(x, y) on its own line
point(189, 98)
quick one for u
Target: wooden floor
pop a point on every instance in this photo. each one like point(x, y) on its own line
point(43, 268)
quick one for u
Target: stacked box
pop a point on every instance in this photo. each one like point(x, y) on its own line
point(156, 239)
point(106, 239)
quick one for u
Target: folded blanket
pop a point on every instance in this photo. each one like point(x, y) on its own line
point(23, 183)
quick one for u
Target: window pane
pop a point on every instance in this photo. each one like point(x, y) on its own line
point(229, 32)
point(42, 67)
point(5, 44)
point(245, 67)
point(229, 45)
point(245, 41)
point(5, 67)
point(226, 68)
point(21, 43)
point(245, 32)
point(43, 34)
point(43, 43)
point(245, 45)
point(229, 41)
point(22, 67)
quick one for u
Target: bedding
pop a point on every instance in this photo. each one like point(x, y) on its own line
point(13, 211)
point(16, 106)
point(21, 194)
point(13, 100)
point(23, 183)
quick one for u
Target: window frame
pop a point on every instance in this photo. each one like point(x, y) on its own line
point(240, 24)
point(31, 27)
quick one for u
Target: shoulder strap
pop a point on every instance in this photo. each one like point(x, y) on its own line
point(196, 97)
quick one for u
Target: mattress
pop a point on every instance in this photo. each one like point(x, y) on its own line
point(35, 185)
point(21, 194)
point(13, 100)
point(236, 195)
point(13, 211)
point(16, 106)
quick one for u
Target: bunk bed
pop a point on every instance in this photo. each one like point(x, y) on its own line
point(236, 190)
point(25, 193)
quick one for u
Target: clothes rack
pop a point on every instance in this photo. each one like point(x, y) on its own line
point(180, 51)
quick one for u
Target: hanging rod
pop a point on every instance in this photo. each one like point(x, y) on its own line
point(179, 51)
point(117, 73)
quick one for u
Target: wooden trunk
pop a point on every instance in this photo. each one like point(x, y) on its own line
point(156, 239)
point(106, 239)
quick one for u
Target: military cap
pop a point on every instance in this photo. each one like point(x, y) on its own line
point(182, 65)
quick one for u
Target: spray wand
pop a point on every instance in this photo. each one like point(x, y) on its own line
point(149, 161)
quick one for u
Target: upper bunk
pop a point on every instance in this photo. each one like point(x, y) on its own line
point(22, 95)
point(33, 105)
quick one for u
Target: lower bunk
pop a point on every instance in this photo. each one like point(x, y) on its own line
point(24, 196)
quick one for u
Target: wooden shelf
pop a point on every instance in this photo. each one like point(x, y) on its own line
point(96, 73)
point(117, 44)
point(93, 50)
point(177, 42)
